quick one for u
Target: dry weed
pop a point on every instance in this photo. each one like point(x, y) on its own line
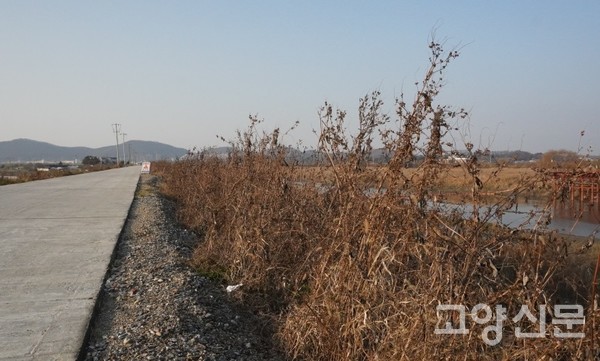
point(353, 266)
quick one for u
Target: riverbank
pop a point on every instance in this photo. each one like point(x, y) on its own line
point(155, 306)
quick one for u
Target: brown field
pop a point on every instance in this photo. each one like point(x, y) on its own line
point(494, 179)
point(27, 172)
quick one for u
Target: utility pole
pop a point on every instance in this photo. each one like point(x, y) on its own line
point(129, 152)
point(123, 134)
point(117, 130)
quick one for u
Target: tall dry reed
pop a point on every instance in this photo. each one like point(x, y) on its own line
point(353, 268)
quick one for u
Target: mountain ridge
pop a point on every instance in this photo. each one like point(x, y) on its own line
point(28, 150)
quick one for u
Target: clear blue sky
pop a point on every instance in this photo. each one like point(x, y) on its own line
point(180, 72)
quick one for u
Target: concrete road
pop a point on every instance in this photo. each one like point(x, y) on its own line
point(56, 241)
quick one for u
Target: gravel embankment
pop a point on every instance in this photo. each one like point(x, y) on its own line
point(155, 307)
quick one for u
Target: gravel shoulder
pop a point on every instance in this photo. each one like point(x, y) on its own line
point(154, 306)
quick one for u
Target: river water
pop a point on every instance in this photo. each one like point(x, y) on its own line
point(562, 218)
point(577, 221)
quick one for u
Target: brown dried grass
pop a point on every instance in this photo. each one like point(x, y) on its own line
point(354, 269)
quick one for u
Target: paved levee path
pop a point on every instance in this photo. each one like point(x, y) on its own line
point(56, 241)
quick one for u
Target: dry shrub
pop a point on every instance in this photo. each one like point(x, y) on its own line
point(354, 267)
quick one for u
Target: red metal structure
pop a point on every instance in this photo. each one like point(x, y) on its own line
point(577, 185)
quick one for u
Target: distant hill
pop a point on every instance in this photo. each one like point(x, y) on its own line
point(516, 155)
point(144, 150)
point(27, 150)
